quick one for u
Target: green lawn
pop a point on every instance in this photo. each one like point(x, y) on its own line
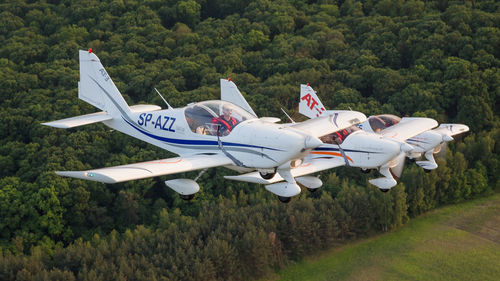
point(459, 242)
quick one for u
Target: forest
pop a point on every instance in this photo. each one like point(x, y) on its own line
point(437, 59)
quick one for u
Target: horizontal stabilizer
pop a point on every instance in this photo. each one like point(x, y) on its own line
point(149, 169)
point(144, 108)
point(79, 120)
point(325, 125)
point(96, 117)
point(409, 127)
point(306, 168)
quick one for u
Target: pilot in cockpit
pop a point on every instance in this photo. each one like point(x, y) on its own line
point(225, 122)
point(337, 137)
point(377, 123)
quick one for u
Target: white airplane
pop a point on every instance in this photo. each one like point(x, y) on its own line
point(427, 142)
point(354, 147)
point(197, 134)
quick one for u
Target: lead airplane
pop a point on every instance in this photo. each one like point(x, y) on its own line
point(193, 133)
point(354, 147)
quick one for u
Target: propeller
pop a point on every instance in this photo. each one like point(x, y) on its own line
point(397, 165)
point(441, 150)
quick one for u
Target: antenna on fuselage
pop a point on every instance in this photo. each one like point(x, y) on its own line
point(169, 107)
point(293, 122)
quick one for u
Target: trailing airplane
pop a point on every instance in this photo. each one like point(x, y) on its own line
point(355, 147)
point(427, 143)
point(204, 134)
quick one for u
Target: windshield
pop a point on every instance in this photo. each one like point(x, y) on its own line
point(339, 136)
point(215, 117)
point(383, 121)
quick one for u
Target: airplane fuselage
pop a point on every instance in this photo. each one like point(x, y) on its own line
point(254, 143)
point(362, 149)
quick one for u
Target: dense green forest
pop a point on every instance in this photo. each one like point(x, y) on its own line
point(439, 59)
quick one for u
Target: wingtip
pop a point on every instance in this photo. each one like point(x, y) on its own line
point(55, 125)
point(86, 175)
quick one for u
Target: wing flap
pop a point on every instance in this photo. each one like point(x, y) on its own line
point(149, 169)
point(409, 127)
point(306, 168)
point(324, 125)
point(79, 120)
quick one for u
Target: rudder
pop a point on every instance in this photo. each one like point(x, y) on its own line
point(309, 104)
point(96, 87)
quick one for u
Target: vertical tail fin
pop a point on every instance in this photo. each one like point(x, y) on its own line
point(229, 92)
point(309, 104)
point(97, 88)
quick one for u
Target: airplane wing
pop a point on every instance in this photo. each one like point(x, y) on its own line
point(149, 169)
point(409, 127)
point(452, 129)
point(307, 167)
point(325, 125)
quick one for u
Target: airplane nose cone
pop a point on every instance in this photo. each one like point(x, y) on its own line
point(447, 138)
point(406, 147)
point(312, 142)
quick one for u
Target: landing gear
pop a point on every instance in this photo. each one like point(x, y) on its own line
point(427, 171)
point(384, 190)
point(186, 197)
point(267, 176)
point(366, 171)
point(284, 199)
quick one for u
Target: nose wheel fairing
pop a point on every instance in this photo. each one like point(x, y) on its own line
point(384, 183)
point(430, 164)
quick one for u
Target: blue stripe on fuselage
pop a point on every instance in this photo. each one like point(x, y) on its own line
point(194, 142)
point(345, 150)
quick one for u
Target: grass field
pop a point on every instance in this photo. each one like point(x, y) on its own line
point(459, 242)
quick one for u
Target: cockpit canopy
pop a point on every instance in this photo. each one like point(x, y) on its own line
point(380, 122)
point(205, 117)
point(339, 136)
